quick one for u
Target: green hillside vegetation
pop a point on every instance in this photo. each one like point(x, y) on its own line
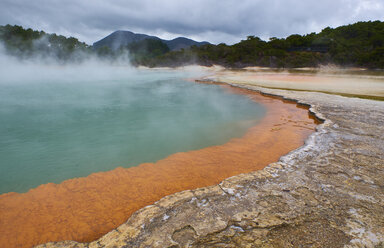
point(356, 45)
point(140, 53)
point(25, 43)
point(28, 43)
point(143, 51)
point(360, 44)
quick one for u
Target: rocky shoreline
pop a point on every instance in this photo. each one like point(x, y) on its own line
point(327, 193)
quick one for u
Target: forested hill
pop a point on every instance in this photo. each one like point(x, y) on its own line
point(26, 43)
point(358, 45)
point(142, 49)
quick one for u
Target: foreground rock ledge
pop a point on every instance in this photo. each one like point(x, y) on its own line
point(328, 193)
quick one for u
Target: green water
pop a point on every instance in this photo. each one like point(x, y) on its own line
point(63, 124)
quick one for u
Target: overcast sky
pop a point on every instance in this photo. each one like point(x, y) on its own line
point(215, 21)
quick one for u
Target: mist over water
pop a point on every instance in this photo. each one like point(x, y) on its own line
point(63, 121)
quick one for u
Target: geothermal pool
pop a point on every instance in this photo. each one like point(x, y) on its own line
point(79, 127)
point(64, 124)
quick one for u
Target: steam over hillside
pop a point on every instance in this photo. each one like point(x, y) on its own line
point(356, 45)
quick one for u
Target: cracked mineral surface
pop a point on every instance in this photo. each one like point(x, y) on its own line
point(327, 193)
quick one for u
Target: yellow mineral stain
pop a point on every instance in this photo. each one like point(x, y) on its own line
point(84, 209)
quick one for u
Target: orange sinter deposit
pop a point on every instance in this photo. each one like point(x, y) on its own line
point(83, 209)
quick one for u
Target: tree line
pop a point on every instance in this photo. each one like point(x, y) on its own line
point(356, 45)
point(360, 44)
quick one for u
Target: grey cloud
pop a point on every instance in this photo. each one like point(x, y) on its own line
point(212, 20)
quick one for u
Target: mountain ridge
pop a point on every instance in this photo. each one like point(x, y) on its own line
point(121, 38)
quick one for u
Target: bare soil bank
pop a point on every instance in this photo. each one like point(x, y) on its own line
point(363, 84)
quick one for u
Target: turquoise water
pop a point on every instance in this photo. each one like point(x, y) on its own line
point(63, 124)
